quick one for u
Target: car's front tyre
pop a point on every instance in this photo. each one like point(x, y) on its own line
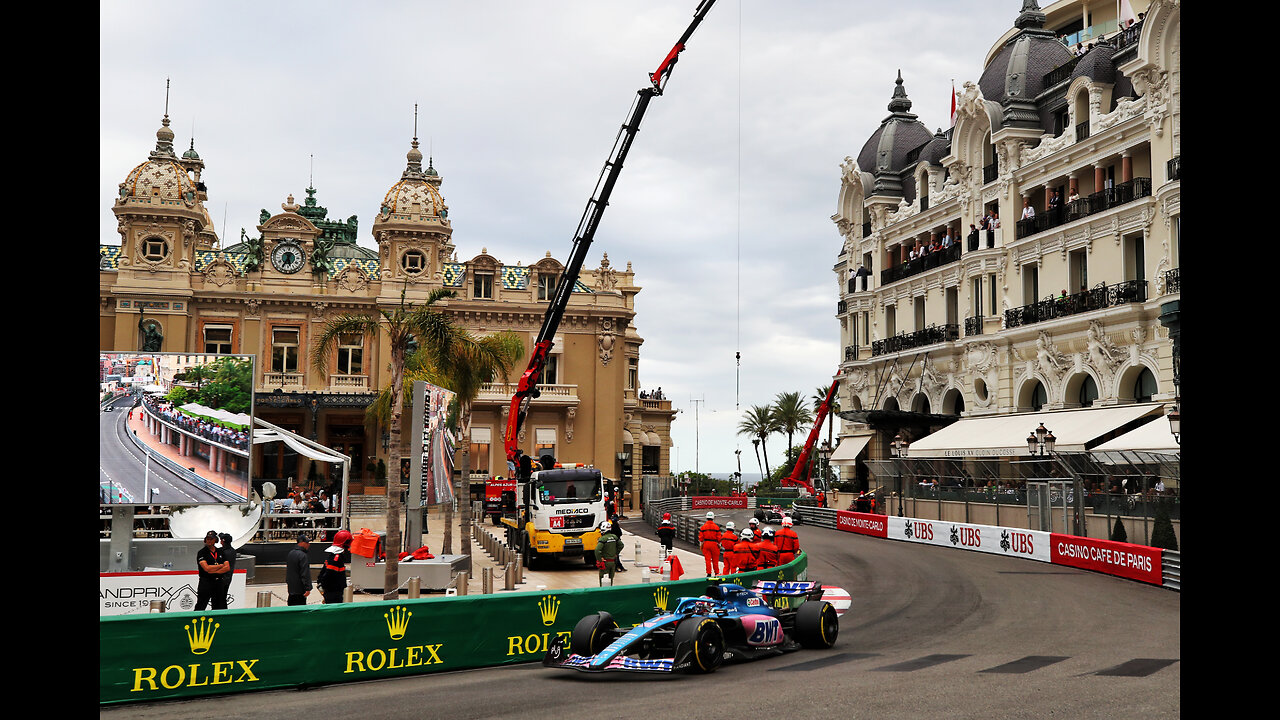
point(591, 634)
point(703, 640)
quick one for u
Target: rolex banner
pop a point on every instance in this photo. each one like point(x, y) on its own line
point(188, 654)
point(431, 467)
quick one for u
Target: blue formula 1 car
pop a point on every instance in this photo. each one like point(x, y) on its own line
point(727, 623)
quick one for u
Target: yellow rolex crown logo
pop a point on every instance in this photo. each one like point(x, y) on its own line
point(397, 621)
point(200, 634)
point(548, 606)
point(660, 598)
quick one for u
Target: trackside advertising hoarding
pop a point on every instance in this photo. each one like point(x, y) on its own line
point(1136, 562)
point(128, 593)
point(717, 503)
point(862, 523)
point(188, 654)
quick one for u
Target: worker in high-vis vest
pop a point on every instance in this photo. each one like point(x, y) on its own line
point(333, 575)
point(768, 550)
point(727, 542)
point(744, 553)
point(788, 542)
point(709, 537)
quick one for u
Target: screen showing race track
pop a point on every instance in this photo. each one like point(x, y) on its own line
point(175, 428)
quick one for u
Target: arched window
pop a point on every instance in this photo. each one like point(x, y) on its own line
point(1144, 387)
point(1088, 392)
point(1039, 398)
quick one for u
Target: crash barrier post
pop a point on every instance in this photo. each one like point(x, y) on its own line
point(264, 598)
point(486, 581)
point(348, 593)
point(146, 657)
point(415, 587)
point(460, 581)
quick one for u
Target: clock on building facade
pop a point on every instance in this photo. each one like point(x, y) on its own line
point(287, 257)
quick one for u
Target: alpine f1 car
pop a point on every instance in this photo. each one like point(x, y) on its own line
point(727, 623)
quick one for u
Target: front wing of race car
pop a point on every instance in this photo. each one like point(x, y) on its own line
point(652, 637)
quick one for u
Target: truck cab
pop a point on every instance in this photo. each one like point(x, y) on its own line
point(558, 514)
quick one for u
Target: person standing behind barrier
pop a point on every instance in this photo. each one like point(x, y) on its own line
point(615, 527)
point(607, 550)
point(744, 553)
point(768, 549)
point(709, 537)
point(211, 567)
point(754, 526)
point(788, 542)
point(333, 576)
point(297, 571)
point(727, 542)
point(666, 534)
point(229, 555)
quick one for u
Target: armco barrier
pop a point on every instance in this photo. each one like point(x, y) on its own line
point(1135, 562)
point(189, 654)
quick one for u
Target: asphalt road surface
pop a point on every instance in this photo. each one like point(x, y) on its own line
point(123, 465)
point(932, 633)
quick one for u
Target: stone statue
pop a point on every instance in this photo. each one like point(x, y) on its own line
point(152, 337)
point(320, 260)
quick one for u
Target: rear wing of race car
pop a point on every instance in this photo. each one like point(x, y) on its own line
point(794, 588)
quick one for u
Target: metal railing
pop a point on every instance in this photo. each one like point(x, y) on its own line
point(1173, 281)
point(990, 172)
point(1100, 201)
point(935, 259)
point(1173, 168)
point(1101, 296)
point(906, 341)
point(973, 325)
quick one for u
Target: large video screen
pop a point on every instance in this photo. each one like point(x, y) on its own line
point(175, 428)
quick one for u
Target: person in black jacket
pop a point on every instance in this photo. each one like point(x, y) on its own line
point(228, 554)
point(666, 534)
point(333, 576)
point(297, 571)
point(211, 566)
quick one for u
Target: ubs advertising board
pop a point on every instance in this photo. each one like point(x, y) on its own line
point(1029, 544)
point(128, 593)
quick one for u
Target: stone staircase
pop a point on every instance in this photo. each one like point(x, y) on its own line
point(363, 505)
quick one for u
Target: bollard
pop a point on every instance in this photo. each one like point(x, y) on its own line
point(666, 571)
point(510, 577)
point(415, 588)
point(158, 605)
point(637, 560)
point(264, 598)
point(348, 594)
point(605, 581)
point(644, 573)
point(519, 563)
point(463, 582)
point(486, 581)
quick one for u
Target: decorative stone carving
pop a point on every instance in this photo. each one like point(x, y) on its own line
point(219, 272)
point(1050, 361)
point(253, 306)
point(606, 339)
point(352, 279)
point(606, 277)
point(1103, 354)
point(570, 414)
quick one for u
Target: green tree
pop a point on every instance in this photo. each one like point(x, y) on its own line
point(227, 385)
point(468, 364)
point(791, 414)
point(1162, 534)
point(1118, 533)
point(404, 325)
point(759, 422)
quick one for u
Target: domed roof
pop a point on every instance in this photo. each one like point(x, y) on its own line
point(416, 188)
point(1015, 76)
point(885, 152)
point(1096, 65)
point(937, 148)
point(160, 176)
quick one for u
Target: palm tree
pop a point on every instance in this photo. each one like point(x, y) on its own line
point(468, 365)
point(404, 325)
point(760, 423)
point(791, 414)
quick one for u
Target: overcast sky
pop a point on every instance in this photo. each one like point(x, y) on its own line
point(724, 204)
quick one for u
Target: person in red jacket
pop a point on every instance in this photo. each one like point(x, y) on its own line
point(768, 549)
point(744, 553)
point(709, 537)
point(788, 542)
point(727, 542)
point(754, 526)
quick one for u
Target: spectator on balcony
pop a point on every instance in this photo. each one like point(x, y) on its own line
point(973, 234)
point(1028, 212)
point(946, 240)
point(1074, 196)
point(995, 219)
point(1054, 200)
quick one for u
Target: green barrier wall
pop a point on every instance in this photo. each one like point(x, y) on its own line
point(189, 654)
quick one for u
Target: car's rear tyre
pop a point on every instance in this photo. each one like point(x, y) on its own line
point(817, 625)
point(591, 634)
point(706, 640)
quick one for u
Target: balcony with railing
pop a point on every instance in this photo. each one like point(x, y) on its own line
point(1082, 131)
point(1060, 73)
point(990, 172)
point(866, 229)
point(935, 259)
point(284, 380)
point(1173, 281)
point(906, 341)
point(349, 383)
point(1101, 296)
point(1173, 168)
point(850, 353)
point(1100, 201)
point(860, 283)
point(973, 325)
point(842, 307)
point(548, 394)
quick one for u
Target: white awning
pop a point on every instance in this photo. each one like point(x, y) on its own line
point(481, 435)
point(544, 436)
point(1006, 435)
point(1155, 436)
point(652, 438)
point(627, 439)
point(263, 435)
point(847, 452)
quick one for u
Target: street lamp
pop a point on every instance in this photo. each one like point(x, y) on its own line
point(898, 449)
point(1175, 417)
point(1041, 442)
